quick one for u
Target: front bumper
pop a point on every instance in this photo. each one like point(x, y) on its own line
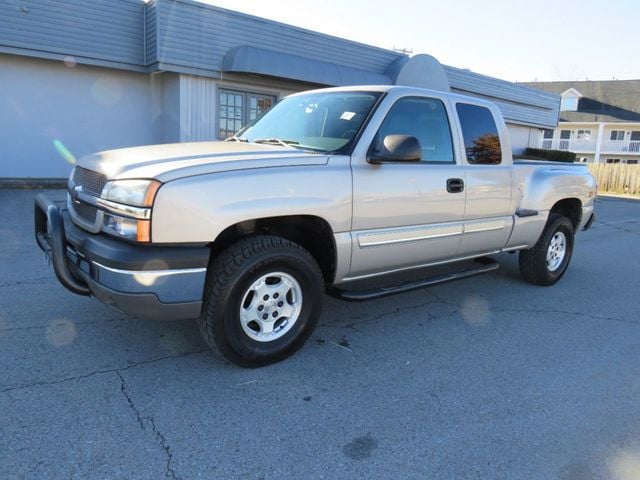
point(157, 282)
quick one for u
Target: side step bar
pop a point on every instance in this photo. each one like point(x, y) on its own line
point(484, 265)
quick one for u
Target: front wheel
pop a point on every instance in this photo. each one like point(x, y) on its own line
point(262, 300)
point(547, 261)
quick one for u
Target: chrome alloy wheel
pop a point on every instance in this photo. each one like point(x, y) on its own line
point(271, 306)
point(556, 251)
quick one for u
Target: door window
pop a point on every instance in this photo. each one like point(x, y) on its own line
point(423, 118)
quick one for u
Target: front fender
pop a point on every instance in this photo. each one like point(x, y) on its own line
point(199, 208)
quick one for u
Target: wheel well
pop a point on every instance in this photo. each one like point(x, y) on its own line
point(312, 233)
point(570, 208)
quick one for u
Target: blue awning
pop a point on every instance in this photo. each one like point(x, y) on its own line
point(247, 59)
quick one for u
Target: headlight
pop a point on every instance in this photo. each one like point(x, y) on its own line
point(139, 193)
point(132, 198)
point(129, 228)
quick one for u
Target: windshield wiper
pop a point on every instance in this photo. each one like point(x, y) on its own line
point(236, 139)
point(276, 141)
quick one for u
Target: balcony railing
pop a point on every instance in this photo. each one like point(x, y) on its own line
point(620, 147)
point(581, 146)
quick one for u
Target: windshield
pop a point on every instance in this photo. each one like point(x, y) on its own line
point(326, 122)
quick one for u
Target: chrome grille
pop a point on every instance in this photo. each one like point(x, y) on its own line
point(91, 182)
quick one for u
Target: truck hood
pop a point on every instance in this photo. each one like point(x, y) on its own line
point(177, 160)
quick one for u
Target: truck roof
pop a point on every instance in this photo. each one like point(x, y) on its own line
point(399, 89)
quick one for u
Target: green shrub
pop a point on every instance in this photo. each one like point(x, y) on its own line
point(553, 155)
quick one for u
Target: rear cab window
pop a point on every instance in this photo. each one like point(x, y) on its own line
point(480, 133)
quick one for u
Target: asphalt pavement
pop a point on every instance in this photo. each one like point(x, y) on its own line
point(485, 378)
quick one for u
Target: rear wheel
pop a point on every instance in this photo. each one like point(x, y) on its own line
point(262, 300)
point(546, 262)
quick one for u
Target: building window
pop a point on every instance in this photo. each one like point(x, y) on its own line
point(547, 138)
point(613, 160)
point(617, 135)
point(236, 109)
point(581, 159)
point(569, 104)
point(584, 134)
point(632, 162)
point(565, 137)
point(481, 139)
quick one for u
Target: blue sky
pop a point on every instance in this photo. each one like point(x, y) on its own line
point(511, 39)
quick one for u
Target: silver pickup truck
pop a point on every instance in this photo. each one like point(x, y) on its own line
point(328, 188)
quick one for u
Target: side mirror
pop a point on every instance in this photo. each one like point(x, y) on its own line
point(397, 148)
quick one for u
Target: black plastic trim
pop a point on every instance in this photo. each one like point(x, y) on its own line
point(50, 236)
point(114, 253)
point(484, 265)
point(589, 223)
point(455, 185)
point(523, 212)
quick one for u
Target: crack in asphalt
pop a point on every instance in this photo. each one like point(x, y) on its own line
point(361, 320)
point(17, 283)
point(42, 327)
point(567, 312)
point(616, 227)
point(545, 310)
point(169, 471)
point(102, 372)
point(141, 419)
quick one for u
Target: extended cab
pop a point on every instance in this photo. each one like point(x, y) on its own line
point(327, 188)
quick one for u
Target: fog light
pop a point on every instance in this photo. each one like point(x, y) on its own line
point(129, 228)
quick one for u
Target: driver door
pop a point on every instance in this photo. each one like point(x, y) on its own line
point(407, 214)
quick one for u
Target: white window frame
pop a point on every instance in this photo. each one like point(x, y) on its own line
point(584, 134)
point(246, 95)
point(619, 138)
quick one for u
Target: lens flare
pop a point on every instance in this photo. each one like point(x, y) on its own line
point(61, 332)
point(475, 310)
point(626, 466)
point(64, 152)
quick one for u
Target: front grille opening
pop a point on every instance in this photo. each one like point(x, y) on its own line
point(86, 212)
point(91, 182)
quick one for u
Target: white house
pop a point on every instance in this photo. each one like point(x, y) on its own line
point(599, 120)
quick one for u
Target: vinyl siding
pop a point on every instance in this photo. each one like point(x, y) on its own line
point(151, 33)
point(519, 104)
point(184, 36)
point(109, 30)
point(198, 35)
point(197, 109)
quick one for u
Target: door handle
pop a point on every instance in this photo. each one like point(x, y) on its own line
point(455, 185)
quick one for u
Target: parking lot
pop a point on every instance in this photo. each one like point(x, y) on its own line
point(489, 377)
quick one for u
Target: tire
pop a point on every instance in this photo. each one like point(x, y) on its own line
point(535, 266)
point(240, 279)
